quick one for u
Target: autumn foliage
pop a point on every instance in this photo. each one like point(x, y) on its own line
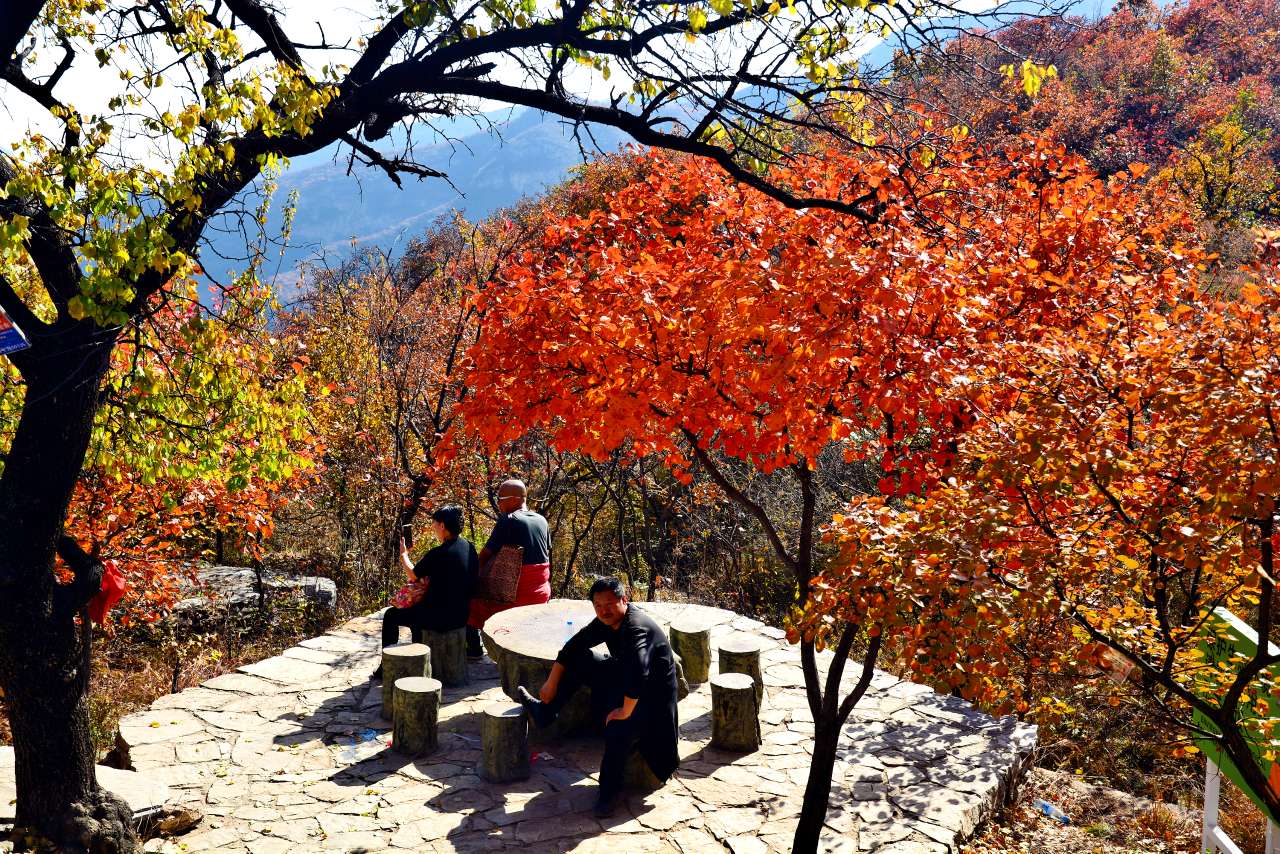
point(1128, 484)
point(694, 319)
point(693, 310)
point(202, 435)
point(1187, 89)
point(1137, 85)
point(105, 210)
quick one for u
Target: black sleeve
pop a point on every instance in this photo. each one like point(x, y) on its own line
point(590, 635)
point(635, 661)
point(473, 569)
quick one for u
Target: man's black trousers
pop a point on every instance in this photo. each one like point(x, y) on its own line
point(603, 675)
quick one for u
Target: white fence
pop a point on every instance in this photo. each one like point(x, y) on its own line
point(1214, 838)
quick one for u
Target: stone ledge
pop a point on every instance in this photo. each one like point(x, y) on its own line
point(144, 794)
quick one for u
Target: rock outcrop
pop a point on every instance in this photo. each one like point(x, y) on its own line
point(222, 592)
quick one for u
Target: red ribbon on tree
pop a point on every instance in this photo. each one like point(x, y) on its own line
point(113, 587)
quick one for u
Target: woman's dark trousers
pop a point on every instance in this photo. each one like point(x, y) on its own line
point(394, 618)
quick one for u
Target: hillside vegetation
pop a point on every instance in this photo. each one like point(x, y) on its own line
point(1005, 424)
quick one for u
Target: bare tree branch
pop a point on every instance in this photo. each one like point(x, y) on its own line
point(261, 20)
point(15, 23)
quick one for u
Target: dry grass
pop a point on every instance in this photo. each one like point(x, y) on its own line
point(1103, 821)
point(1107, 821)
point(1242, 820)
point(128, 679)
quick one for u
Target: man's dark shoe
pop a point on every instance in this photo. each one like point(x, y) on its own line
point(536, 709)
point(605, 806)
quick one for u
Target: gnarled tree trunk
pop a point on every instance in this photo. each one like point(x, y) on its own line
point(42, 662)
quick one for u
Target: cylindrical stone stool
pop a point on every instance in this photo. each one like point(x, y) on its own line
point(741, 654)
point(448, 656)
point(735, 716)
point(504, 743)
point(692, 642)
point(398, 661)
point(417, 710)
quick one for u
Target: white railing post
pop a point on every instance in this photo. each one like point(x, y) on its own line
point(1214, 839)
point(1212, 789)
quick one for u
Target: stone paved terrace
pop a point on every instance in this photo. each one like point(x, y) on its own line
point(273, 756)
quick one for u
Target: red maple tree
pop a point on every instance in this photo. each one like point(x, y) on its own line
point(699, 321)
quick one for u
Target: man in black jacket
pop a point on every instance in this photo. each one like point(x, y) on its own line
point(633, 688)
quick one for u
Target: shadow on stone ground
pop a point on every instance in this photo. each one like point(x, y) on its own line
point(291, 755)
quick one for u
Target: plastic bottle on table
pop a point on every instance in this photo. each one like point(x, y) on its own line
point(569, 630)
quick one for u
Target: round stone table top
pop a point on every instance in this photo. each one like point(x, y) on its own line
point(538, 631)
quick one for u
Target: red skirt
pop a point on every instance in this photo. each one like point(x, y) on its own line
point(534, 589)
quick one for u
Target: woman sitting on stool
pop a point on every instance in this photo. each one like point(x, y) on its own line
point(451, 569)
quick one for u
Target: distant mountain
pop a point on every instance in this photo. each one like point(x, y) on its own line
point(491, 169)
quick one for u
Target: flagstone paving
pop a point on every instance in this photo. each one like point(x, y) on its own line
point(290, 755)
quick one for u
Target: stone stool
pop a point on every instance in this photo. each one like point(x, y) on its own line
point(691, 640)
point(400, 660)
point(741, 654)
point(504, 743)
point(735, 716)
point(448, 656)
point(638, 775)
point(417, 710)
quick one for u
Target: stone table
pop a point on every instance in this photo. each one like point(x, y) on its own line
point(524, 643)
point(290, 755)
point(526, 640)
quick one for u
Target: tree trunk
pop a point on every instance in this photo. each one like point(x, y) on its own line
point(58, 794)
point(813, 810)
point(417, 715)
point(448, 656)
point(735, 713)
point(41, 662)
